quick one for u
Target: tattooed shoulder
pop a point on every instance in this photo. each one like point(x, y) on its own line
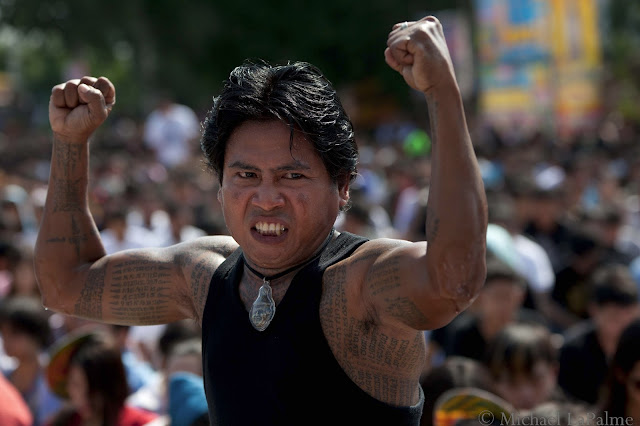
point(198, 261)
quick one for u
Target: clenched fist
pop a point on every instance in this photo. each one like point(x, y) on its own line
point(419, 52)
point(78, 107)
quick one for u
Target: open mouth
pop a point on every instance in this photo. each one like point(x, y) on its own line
point(270, 229)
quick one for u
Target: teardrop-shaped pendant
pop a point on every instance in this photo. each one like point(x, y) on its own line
point(263, 309)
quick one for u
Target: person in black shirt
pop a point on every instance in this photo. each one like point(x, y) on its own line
point(589, 345)
point(523, 362)
point(300, 323)
point(499, 304)
point(621, 395)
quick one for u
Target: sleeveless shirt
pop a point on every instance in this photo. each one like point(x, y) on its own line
point(286, 374)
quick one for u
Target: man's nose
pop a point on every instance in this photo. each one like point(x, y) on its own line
point(268, 197)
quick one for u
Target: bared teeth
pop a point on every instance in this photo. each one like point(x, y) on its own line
point(269, 228)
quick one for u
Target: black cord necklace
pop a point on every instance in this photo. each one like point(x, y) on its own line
point(264, 307)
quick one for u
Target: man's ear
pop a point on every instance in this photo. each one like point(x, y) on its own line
point(343, 191)
point(219, 196)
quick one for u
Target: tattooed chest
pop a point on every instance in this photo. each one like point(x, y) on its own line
point(382, 361)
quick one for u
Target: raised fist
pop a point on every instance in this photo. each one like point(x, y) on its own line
point(78, 107)
point(419, 52)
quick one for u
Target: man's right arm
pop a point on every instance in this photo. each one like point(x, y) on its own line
point(74, 273)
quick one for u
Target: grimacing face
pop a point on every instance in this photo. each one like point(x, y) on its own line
point(279, 202)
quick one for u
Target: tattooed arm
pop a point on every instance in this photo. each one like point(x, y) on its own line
point(74, 274)
point(424, 285)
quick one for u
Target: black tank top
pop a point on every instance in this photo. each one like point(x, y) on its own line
point(287, 374)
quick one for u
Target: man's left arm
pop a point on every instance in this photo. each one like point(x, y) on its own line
point(425, 285)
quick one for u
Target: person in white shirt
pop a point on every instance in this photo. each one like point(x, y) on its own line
point(171, 131)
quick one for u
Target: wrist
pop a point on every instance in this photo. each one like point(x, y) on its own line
point(70, 139)
point(444, 89)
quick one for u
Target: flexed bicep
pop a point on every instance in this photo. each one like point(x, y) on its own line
point(132, 287)
point(404, 285)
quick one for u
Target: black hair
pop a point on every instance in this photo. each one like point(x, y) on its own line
point(297, 94)
point(614, 395)
point(613, 283)
point(498, 269)
point(176, 332)
point(10, 252)
point(518, 347)
point(115, 212)
point(27, 316)
point(583, 242)
point(108, 388)
point(201, 420)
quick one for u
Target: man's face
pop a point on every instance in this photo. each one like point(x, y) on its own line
point(279, 202)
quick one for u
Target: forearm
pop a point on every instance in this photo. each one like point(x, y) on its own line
point(68, 238)
point(457, 209)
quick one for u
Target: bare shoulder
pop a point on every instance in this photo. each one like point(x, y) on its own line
point(375, 249)
point(221, 245)
point(375, 262)
point(381, 255)
point(198, 259)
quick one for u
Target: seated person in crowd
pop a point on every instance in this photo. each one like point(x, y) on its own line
point(571, 289)
point(499, 303)
point(153, 396)
point(86, 368)
point(139, 372)
point(590, 345)
point(621, 395)
point(523, 362)
point(26, 335)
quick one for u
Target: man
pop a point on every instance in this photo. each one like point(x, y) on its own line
point(300, 325)
point(590, 345)
point(169, 131)
point(499, 304)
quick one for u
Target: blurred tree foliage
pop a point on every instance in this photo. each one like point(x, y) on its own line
point(186, 49)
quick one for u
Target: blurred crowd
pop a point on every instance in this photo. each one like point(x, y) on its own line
point(556, 322)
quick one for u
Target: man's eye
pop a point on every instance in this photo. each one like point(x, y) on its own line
point(293, 176)
point(247, 175)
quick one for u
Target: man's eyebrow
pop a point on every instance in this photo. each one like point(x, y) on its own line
point(241, 165)
point(296, 165)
